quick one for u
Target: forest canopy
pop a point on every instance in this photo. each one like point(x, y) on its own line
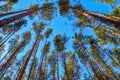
point(59, 40)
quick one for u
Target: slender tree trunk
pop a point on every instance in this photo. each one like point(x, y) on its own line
point(6, 54)
point(105, 15)
point(33, 60)
point(114, 61)
point(101, 72)
point(10, 13)
point(19, 70)
point(96, 76)
point(65, 67)
point(45, 67)
point(107, 55)
point(40, 67)
point(87, 69)
point(111, 71)
point(82, 44)
point(57, 66)
point(20, 74)
point(54, 71)
point(31, 67)
point(16, 17)
point(11, 57)
point(7, 38)
point(99, 18)
point(110, 30)
point(3, 73)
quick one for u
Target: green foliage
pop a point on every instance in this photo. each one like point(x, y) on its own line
point(7, 78)
point(48, 32)
point(6, 8)
point(116, 12)
point(117, 52)
point(46, 48)
point(12, 1)
point(33, 74)
point(98, 31)
point(101, 41)
point(58, 42)
point(33, 6)
point(48, 11)
point(38, 27)
point(63, 6)
point(91, 40)
point(27, 36)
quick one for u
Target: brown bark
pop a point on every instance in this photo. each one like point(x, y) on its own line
point(16, 17)
point(99, 18)
point(6, 38)
point(110, 30)
point(33, 61)
point(20, 74)
point(6, 54)
point(106, 66)
point(101, 72)
point(106, 15)
point(108, 55)
point(96, 76)
point(31, 67)
point(84, 49)
point(65, 67)
point(3, 73)
point(40, 66)
point(11, 57)
point(57, 67)
point(10, 13)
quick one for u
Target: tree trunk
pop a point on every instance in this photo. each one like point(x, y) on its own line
point(111, 31)
point(45, 66)
point(6, 54)
point(16, 17)
point(57, 66)
point(99, 18)
point(105, 15)
point(82, 45)
point(31, 67)
point(96, 76)
point(10, 13)
point(20, 74)
point(11, 57)
point(65, 67)
point(108, 55)
point(3, 73)
point(110, 70)
point(5, 37)
point(101, 72)
point(33, 60)
point(12, 33)
point(40, 66)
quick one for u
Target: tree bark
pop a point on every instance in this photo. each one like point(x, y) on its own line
point(10, 13)
point(16, 17)
point(11, 57)
point(20, 74)
point(33, 60)
point(12, 33)
point(99, 18)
